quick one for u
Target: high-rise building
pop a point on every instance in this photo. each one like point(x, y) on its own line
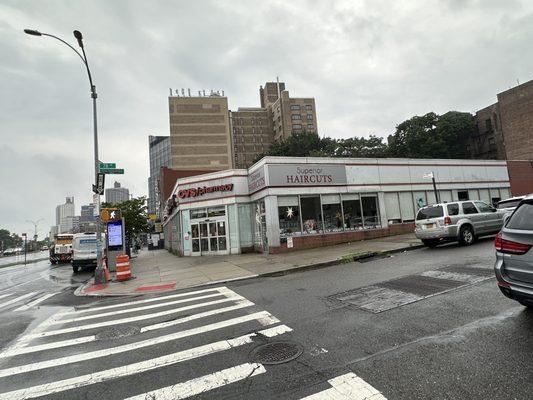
point(63, 211)
point(206, 136)
point(200, 137)
point(159, 151)
point(116, 194)
point(54, 230)
point(87, 213)
point(255, 129)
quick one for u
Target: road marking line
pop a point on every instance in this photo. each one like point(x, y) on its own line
point(35, 302)
point(138, 367)
point(129, 303)
point(347, 387)
point(129, 310)
point(16, 299)
point(19, 284)
point(455, 276)
point(86, 339)
point(125, 320)
point(263, 317)
point(47, 346)
point(204, 383)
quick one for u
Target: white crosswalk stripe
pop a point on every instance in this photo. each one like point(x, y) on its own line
point(203, 383)
point(21, 300)
point(347, 387)
point(224, 311)
point(210, 313)
point(35, 302)
point(17, 299)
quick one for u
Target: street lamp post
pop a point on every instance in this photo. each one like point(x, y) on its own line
point(99, 272)
point(35, 223)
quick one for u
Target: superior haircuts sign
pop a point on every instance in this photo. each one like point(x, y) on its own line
point(306, 175)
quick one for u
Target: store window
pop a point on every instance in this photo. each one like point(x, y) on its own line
point(311, 214)
point(463, 195)
point(331, 209)
point(198, 213)
point(216, 212)
point(289, 216)
point(351, 205)
point(370, 212)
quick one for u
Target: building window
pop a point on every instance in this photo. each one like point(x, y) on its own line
point(463, 195)
point(309, 107)
point(311, 214)
point(351, 205)
point(331, 209)
point(309, 116)
point(296, 116)
point(488, 125)
point(289, 216)
point(296, 126)
point(310, 126)
point(295, 107)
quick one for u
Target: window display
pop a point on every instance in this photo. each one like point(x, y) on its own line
point(311, 214)
point(289, 216)
point(351, 205)
point(331, 208)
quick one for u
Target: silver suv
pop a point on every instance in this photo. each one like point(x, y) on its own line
point(514, 257)
point(461, 221)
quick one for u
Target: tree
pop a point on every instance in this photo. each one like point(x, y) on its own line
point(432, 136)
point(372, 147)
point(10, 239)
point(135, 216)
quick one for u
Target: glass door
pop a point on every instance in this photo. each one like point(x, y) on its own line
point(204, 238)
point(217, 236)
point(195, 237)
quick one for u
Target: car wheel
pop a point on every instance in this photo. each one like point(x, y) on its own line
point(431, 243)
point(466, 236)
point(75, 269)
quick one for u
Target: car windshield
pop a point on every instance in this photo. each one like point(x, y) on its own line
point(522, 218)
point(430, 212)
point(508, 203)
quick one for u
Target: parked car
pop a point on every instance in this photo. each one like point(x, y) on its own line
point(461, 221)
point(9, 252)
point(514, 257)
point(509, 205)
point(84, 251)
point(44, 248)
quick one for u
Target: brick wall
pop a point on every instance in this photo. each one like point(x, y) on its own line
point(312, 241)
point(521, 177)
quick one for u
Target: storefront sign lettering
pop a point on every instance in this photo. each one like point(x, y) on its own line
point(256, 180)
point(296, 175)
point(200, 191)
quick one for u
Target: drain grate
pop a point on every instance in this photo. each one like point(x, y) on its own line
point(421, 285)
point(276, 352)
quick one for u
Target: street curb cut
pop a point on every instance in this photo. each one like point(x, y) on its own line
point(302, 268)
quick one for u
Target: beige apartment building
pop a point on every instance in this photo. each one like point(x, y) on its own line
point(205, 135)
point(255, 129)
point(200, 137)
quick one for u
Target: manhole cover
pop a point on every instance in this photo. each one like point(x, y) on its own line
point(118, 332)
point(276, 352)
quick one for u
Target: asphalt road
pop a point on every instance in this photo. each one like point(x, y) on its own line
point(418, 325)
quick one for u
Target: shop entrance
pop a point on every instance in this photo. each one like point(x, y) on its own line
point(209, 237)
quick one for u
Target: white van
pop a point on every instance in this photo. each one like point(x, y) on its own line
point(84, 251)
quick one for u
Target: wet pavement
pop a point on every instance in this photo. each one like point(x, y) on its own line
point(310, 335)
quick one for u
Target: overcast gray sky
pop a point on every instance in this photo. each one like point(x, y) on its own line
point(369, 64)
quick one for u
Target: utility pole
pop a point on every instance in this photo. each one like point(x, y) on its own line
point(25, 242)
point(99, 272)
point(435, 187)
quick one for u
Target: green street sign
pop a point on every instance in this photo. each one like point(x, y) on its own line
point(108, 165)
point(112, 171)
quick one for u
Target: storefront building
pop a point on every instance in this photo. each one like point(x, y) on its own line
point(288, 203)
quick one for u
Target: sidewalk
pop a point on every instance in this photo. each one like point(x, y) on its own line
point(160, 270)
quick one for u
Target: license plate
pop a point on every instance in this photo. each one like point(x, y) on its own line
point(428, 226)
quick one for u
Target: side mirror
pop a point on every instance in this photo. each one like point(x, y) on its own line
point(493, 209)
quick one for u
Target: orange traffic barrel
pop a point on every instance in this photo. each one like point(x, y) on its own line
point(123, 267)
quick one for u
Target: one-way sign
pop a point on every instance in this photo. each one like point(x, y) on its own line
point(98, 188)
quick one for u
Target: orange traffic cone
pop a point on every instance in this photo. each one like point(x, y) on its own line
point(107, 275)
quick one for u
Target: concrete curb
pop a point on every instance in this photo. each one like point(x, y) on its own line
point(302, 268)
point(27, 262)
